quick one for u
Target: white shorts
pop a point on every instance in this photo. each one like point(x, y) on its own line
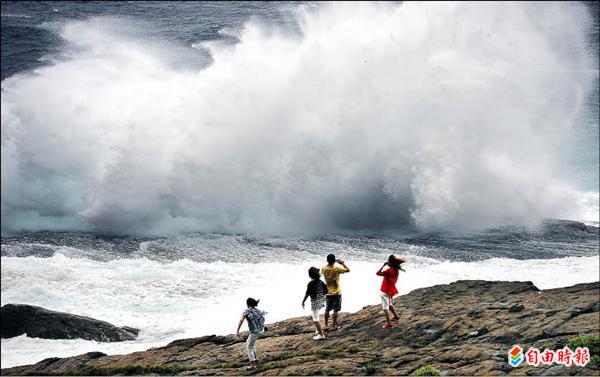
point(315, 314)
point(386, 301)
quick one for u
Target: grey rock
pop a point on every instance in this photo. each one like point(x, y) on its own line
point(38, 322)
point(131, 330)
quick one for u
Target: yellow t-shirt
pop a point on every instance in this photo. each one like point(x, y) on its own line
point(332, 279)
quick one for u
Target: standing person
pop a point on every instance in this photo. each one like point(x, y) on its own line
point(388, 287)
point(256, 325)
point(331, 272)
point(317, 290)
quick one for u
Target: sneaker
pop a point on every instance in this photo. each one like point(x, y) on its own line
point(319, 337)
point(395, 318)
point(386, 326)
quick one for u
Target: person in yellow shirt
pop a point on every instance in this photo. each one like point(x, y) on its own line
point(333, 300)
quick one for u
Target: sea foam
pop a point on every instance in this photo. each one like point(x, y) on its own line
point(180, 299)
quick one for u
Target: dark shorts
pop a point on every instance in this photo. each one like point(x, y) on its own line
point(333, 302)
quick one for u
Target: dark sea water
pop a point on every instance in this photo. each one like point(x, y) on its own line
point(25, 44)
point(554, 239)
point(108, 211)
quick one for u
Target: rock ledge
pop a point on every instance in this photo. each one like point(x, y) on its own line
point(463, 328)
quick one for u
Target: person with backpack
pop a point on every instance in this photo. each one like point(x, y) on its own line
point(388, 287)
point(256, 326)
point(316, 290)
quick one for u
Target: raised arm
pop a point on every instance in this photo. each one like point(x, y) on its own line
point(346, 269)
point(380, 273)
point(240, 325)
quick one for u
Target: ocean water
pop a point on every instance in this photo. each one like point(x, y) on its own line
point(162, 161)
point(196, 284)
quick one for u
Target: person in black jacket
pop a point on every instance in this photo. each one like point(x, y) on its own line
point(317, 290)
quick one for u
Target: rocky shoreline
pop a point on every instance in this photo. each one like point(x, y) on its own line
point(463, 328)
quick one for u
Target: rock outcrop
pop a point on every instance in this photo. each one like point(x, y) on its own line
point(38, 322)
point(463, 328)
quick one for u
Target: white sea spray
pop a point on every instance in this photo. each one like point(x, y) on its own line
point(376, 115)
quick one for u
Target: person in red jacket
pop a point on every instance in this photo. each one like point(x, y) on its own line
point(388, 287)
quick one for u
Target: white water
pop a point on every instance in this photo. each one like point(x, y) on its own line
point(590, 201)
point(376, 115)
point(181, 299)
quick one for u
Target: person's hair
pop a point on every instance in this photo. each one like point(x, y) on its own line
point(394, 262)
point(331, 259)
point(252, 302)
point(314, 273)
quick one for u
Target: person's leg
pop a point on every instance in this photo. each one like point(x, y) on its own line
point(387, 316)
point(256, 336)
point(385, 305)
point(315, 318)
point(328, 301)
point(393, 310)
point(319, 328)
point(337, 306)
point(250, 348)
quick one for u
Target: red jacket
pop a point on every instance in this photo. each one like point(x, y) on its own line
point(390, 277)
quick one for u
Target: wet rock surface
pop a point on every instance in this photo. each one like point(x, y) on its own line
point(38, 322)
point(463, 328)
